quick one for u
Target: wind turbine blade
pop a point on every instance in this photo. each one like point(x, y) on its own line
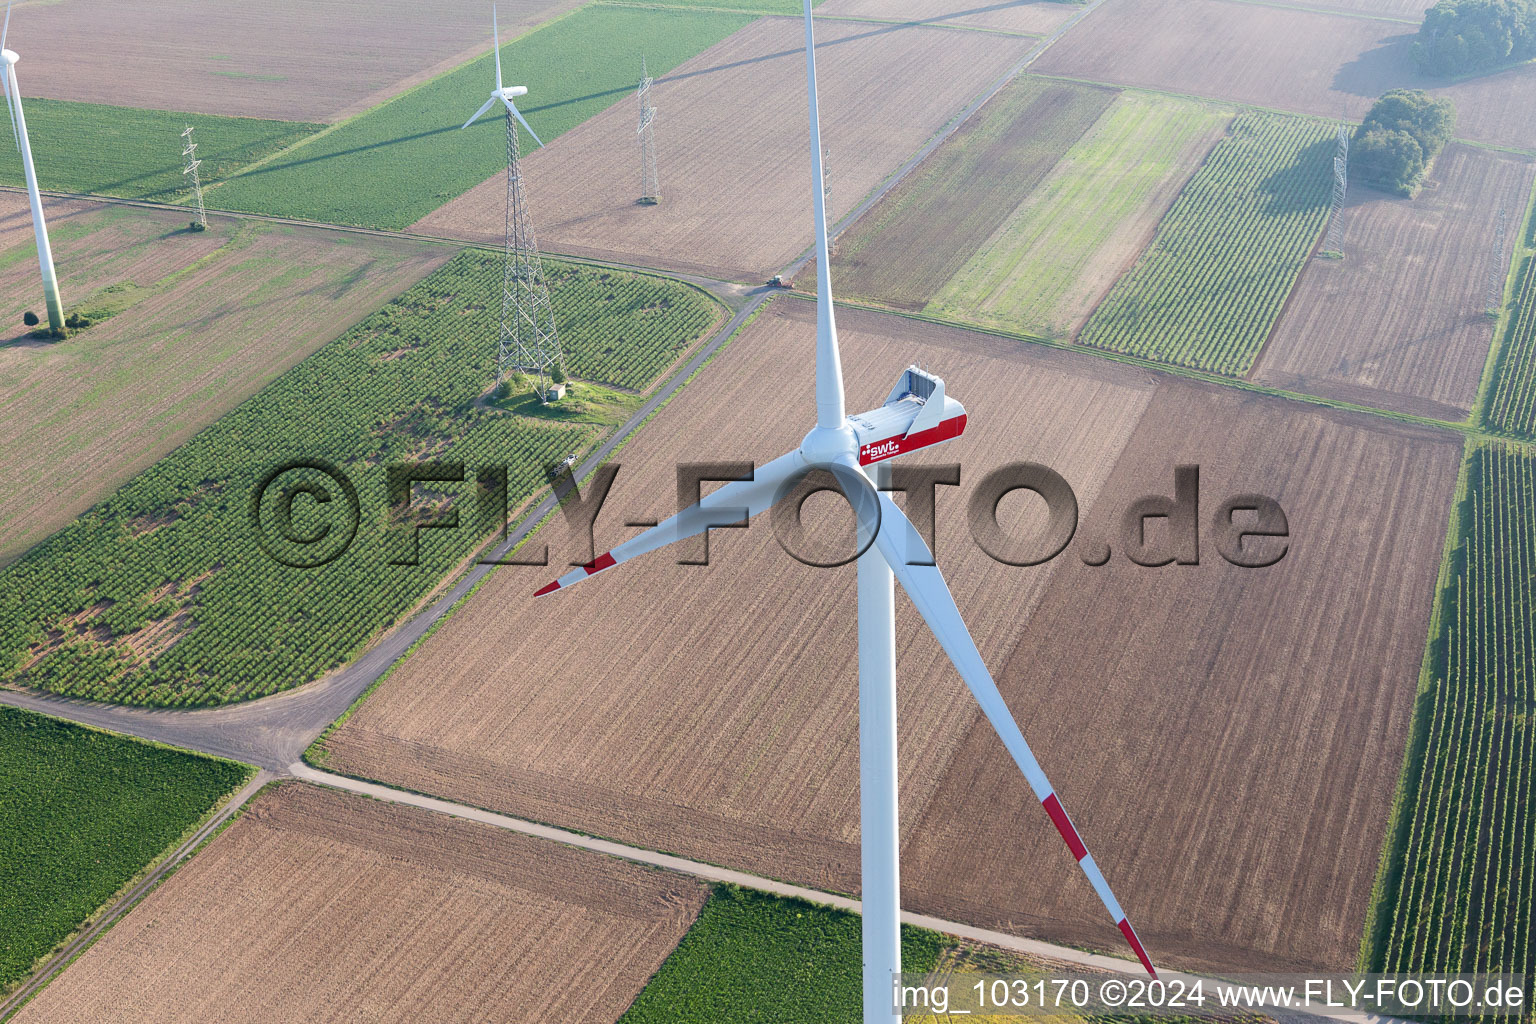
point(829, 368)
point(496, 46)
point(479, 113)
point(7, 30)
point(900, 543)
point(5, 84)
point(523, 121)
point(732, 503)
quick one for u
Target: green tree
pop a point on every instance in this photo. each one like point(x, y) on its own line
point(1400, 138)
point(1460, 36)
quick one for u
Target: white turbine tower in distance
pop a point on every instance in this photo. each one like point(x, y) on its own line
point(917, 414)
point(19, 132)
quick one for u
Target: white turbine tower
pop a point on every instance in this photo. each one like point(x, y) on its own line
point(39, 226)
point(917, 414)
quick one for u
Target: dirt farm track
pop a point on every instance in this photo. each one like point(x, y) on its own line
point(743, 752)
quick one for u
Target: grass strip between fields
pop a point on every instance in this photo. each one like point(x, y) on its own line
point(396, 163)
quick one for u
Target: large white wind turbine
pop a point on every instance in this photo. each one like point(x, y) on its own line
point(917, 414)
point(19, 131)
point(502, 93)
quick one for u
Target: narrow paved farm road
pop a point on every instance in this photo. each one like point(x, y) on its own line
point(273, 732)
point(56, 963)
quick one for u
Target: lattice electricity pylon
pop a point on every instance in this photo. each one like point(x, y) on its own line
point(193, 163)
point(1333, 240)
point(650, 182)
point(528, 340)
point(1496, 273)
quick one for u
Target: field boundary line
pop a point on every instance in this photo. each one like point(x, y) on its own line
point(1362, 15)
point(87, 936)
point(1378, 915)
point(746, 880)
point(1521, 258)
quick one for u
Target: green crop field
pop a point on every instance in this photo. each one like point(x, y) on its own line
point(124, 151)
point(397, 163)
point(915, 239)
point(163, 594)
point(1461, 872)
point(1512, 405)
point(1216, 275)
point(81, 814)
point(1041, 270)
point(755, 957)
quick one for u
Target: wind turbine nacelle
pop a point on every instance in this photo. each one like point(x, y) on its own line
point(10, 56)
point(916, 414)
point(513, 91)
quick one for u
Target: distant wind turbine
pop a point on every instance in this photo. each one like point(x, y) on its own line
point(39, 226)
point(505, 95)
point(917, 414)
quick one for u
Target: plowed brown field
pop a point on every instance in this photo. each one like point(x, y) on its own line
point(1032, 17)
point(1228, 740)
point(731, 150)
point(1400, 322)
point(319, 906)
point(712, 712)
point(293, 60)
point(209, 319)
point(1311, 62)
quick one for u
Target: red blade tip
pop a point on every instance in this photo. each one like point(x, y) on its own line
point(1141, 953)
point(550, 589)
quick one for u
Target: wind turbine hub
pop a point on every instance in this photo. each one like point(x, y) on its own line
point(829, 444)
point(10, 56)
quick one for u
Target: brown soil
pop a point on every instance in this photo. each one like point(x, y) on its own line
point(1332, 65)
point(1228, 738)
point(249, 302)
point(293, 60)
point(1401, 322)
point(731, 151)
point(319, 906)
point(1032, 17)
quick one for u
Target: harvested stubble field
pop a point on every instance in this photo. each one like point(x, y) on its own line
point(970, 186)
point(1214, 715)
point(199, 322)
point(319, 906)
point(295, 60)
point(712, 710)
point(730, 139)
point(1411, 11)
point(727, 729)
point(1061, 250)
point(1312, 62)
point(1030, 17)
point(1401, 322)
